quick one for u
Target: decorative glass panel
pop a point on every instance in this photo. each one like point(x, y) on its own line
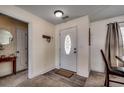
point(67, 44)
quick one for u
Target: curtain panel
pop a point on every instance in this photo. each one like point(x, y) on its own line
point(114, 44)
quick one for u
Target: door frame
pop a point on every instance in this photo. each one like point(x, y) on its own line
point(28, 30)
point(61, 30)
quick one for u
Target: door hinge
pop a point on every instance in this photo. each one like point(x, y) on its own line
point(59, 34)
point(59, 64)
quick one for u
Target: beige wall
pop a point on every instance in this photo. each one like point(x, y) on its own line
point(98, 36)
point(82, 25)
point(41, 54)
point(10, 24)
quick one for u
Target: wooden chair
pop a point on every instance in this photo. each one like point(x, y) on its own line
point(117, 71)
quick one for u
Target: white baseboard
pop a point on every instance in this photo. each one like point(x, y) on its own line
point(41, 72)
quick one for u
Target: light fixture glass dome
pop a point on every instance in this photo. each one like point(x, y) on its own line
point(58, 13)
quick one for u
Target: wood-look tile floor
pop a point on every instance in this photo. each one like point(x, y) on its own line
point(51, 79)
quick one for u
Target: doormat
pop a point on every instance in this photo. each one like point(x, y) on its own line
point(65, 73)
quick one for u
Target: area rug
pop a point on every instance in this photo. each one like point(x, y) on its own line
point(65, 73)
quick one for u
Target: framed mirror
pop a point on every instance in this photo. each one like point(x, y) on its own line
point(5, 37)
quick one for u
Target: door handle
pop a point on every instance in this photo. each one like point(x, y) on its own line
point(75, 51)
point(17, 51)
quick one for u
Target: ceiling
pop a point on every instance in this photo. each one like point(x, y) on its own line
point(95, 12)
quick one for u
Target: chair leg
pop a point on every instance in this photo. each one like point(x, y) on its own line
point(106, 83)
point(107, 80)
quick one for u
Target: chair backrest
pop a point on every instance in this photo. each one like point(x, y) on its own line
point(105, 60)
point(119, 58)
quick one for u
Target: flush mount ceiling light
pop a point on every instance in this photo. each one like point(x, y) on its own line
point(58, 13)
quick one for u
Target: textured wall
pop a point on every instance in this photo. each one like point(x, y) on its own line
point(98, 36)
point(41, 54)
point(10, 24)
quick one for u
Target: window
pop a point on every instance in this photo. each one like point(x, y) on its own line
point(122, 32)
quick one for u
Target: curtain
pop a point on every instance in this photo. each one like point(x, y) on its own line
point(114, 44)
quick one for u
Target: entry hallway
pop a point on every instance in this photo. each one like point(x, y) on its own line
point(51, 79)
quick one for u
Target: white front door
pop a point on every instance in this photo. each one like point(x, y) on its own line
point(21, 49)
point(68, 49)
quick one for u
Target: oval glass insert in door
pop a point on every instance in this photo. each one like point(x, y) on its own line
point(67, 45)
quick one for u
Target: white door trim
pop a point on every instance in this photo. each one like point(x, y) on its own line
point(76, 45)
